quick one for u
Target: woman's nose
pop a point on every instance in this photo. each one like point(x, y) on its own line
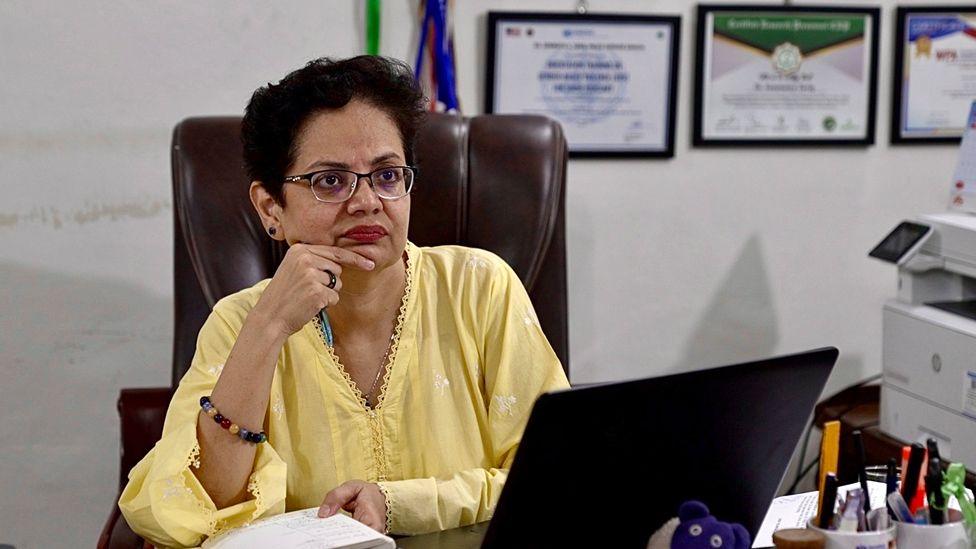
point(364, 198)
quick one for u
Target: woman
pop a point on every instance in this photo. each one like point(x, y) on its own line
point(368, 375)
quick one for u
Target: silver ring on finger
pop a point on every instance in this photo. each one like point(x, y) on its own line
point(332, 279)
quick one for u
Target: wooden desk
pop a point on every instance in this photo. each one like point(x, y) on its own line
point(859, 409)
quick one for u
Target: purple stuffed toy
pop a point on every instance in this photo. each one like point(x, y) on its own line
point(697, 529)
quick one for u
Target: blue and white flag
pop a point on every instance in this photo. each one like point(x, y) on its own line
point(435, 57)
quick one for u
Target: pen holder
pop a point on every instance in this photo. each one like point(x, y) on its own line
point(881, 539)
point(951, 535)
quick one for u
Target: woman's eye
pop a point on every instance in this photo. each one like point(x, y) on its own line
point(695, 530)
point(330, 180)
point(716, 541)
point(388, 175)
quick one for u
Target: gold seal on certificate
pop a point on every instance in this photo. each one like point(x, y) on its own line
point(787, 59)
point(785, 75)
point(934, 74)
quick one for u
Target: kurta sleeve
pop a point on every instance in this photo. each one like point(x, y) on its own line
point(518, 366)
point(163, 501)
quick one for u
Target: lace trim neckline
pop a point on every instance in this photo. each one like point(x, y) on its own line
point(394, 345)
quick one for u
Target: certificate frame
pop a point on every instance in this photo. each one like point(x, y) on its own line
point(899, 83)
point(786, 139)
point(662, 132)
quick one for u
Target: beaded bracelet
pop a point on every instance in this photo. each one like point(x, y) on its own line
point(210, 410)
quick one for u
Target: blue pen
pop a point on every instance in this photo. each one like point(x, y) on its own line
point(326, 327)
point(897, 504)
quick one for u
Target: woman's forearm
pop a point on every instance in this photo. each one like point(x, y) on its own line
point(241, 394)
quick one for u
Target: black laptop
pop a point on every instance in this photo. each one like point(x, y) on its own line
point(605, 466)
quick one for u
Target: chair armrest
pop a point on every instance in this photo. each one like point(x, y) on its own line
point(116, 534)
point(141, 415)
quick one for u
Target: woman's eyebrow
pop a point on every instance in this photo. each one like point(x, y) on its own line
point(343, 166)
point(385, 157)
point(328, 164)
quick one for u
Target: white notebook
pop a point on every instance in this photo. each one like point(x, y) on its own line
point(302, 529)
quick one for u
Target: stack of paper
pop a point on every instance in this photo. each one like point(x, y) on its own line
point(305, 530)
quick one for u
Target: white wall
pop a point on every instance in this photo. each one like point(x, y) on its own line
point(711, 257)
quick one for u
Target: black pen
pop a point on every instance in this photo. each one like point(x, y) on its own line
point(891, 476)
point(933, 485)
point(910, 485)
point(828, 502)
point(862, 474)
point(891, 482)
point(933, 448)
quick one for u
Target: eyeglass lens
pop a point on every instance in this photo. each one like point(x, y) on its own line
point(338, 185)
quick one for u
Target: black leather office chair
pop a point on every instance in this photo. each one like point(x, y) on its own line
point(494, 182)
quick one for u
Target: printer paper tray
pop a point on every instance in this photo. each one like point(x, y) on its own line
point(965, 308)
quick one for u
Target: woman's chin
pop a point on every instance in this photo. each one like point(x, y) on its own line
point(381, 252)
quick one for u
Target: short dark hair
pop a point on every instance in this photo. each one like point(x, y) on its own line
point(277, 112)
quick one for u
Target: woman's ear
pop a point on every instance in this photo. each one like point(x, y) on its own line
point(268, 209)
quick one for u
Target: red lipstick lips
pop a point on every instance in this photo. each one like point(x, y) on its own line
point(365, 233)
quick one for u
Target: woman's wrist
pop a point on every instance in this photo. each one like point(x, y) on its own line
point(270, 330)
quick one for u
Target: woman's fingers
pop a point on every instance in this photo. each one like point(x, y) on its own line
point(320, 297)
point(305, 283)
point(369, 517)
point(341, 256)
point(339, 497)
point(320, 269)
point(327, 258)
point(324, 272)
point(307, 259)
point(331, 297)
point(358, 498)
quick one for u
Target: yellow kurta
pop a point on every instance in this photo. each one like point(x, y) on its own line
point(470, 361)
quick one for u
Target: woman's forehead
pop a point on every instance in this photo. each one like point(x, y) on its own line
point(358, 132)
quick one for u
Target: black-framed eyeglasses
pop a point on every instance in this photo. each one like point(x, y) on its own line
point(334, 185)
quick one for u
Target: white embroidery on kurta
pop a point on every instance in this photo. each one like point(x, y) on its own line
point(475, 262)
point(278, 408)
point(174, 489)
point(504, 404)
point(215, 369)
point(440, 382)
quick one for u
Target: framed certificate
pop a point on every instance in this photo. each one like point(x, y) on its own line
point(935, 74)
point(610, 80)
point(785, 75)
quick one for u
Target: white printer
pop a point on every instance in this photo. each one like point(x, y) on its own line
point(929, 340)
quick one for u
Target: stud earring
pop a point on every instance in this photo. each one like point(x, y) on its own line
point(272, 231)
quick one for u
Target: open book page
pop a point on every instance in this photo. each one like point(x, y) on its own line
point(302, 529)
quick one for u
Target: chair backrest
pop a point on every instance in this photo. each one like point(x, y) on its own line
point(493, 182)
